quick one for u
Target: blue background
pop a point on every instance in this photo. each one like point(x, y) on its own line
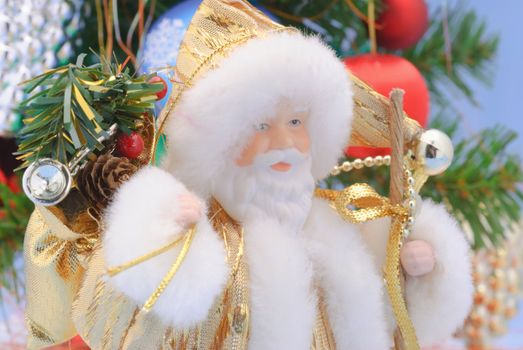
point(502, 102)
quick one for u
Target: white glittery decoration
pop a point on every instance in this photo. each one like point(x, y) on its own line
point(31, 31)
point(162, 43)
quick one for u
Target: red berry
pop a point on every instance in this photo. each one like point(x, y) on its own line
point(160, 94)
point(130, 146)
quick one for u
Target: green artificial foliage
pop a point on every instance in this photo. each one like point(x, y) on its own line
point(77, 104)
point(483, 186)
point(471, 56)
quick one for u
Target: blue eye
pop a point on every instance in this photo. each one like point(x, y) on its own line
point(262, 127)
point(295, 122)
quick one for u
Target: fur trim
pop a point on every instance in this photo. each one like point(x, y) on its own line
point(440, 301)
point(216, 117)
point(142, 219)
point(283, 303)
point(353, 289)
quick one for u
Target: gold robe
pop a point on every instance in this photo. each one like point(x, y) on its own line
point(61, 304)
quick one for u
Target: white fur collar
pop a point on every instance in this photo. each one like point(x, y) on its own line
point(352, 287)
point(283, 303)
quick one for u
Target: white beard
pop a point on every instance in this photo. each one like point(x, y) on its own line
point(257, 192)
point(272, 208)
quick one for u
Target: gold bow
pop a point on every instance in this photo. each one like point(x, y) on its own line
point(360, 203)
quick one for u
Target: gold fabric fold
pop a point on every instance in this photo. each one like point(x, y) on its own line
point(56, 243)
point(53, 272)
point(322, 337)
point(372, 115)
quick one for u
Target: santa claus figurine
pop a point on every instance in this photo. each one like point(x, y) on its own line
point(225, 246)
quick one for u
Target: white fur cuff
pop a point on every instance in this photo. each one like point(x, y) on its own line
point(440, 301)
point(140, 220)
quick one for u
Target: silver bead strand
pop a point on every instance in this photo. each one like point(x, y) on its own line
point(410, 200)
point(359, 163)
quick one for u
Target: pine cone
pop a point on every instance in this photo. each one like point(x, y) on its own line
point(99, 179)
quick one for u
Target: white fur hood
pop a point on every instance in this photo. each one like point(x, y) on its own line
point(215, 117)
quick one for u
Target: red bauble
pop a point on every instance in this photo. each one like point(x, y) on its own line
point(130, 146)
point(3, 178)
point(403, 23)
point(77, 343)
point(157, 79)
point(383, 73)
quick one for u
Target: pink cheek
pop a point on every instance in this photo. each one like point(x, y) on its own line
point(305, 148)
point(302, 141)
point(245, 159)
point(258, 145)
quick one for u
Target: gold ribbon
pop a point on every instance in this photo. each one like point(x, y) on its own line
point(187, 238)
point(360, 203)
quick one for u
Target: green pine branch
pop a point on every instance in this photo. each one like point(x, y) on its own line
point(76, 106)
point(471, 56)
point(483, 186)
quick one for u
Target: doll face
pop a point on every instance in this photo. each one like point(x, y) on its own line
point(286, 131)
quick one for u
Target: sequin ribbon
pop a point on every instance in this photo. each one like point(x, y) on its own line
point(360, 203)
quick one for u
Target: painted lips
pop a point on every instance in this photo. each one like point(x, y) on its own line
point(281, 166)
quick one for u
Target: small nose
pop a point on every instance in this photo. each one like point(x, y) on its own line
point(280, 138)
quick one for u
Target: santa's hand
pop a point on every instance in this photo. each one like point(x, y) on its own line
point(417, 258)
point(190, 209)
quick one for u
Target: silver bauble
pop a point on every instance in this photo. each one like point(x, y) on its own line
point(435, 152)
point(46, 182)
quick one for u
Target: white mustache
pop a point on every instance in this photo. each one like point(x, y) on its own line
point(290, 155)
